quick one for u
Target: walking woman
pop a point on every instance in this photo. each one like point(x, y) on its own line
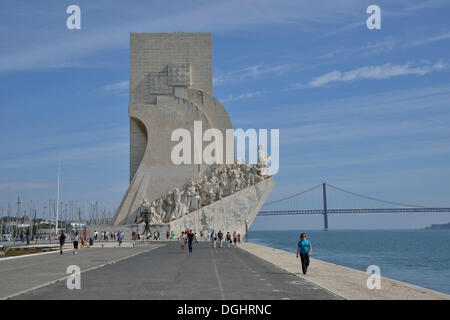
point(183, 241)
point(75, 244)
point(62, 240)
point(235, 239)
point(304, 247)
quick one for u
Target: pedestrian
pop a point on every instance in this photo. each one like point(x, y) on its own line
point(172, 235)
point(213, 239)
point(183, 241)
point(304, 247)
point(228, 238)
point(239, 238)
point(191, 237)
point(220, 238)
point(120, 238)
point(75, 243)
point(167, 235)
point(62, 239)
point(235, 238)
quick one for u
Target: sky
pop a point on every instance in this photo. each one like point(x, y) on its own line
point(364, 110)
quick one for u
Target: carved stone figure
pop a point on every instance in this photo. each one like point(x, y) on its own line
point(215, 187)
point(194, 197)
point(203, 191)
point(145, 204)
point(144, 215)
point(263, 160)
point(168, 201)
point(176, 212)
point(154, 217)
point(184, 202)
point(160, 207)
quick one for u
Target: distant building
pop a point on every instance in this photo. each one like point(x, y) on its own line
point(439, 226)
point(19, 225)
point(77, 226)
point(45, 231)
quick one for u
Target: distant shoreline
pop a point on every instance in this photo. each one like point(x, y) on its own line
point(443, 226)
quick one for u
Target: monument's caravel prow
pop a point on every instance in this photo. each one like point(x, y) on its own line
point(170, 88)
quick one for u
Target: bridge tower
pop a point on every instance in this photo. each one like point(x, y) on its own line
point(325, 213)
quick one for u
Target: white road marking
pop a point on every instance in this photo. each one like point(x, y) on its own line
point(222, 294)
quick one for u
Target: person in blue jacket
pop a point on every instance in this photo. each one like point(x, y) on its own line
point(304, 248)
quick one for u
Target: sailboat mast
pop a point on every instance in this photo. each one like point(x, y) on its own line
point(57, 202)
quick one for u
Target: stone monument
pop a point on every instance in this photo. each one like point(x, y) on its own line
point(170, 88)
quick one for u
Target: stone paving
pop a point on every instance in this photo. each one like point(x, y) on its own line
point(159, 273)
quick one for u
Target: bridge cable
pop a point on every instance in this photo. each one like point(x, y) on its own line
point(376, 199)
point(292, 196)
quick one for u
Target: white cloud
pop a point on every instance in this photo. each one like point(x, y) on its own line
point(380, 46)
point(437, 38)
point(78, 153)
point(58, 48)
point(434, 150)
point(13, 186)
point(384, 71)
point(241, 96)
point(251, 72)
point(118, 86)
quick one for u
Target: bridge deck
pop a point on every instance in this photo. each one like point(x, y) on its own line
point(344, 211)
point(161, 273)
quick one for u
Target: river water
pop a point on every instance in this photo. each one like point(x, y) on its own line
point(420, 257)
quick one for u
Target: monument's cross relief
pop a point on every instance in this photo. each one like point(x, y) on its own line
point(170, 88)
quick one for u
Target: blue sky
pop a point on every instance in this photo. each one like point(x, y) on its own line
point(365, 110)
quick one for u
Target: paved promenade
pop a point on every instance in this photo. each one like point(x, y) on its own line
point(156, 271)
